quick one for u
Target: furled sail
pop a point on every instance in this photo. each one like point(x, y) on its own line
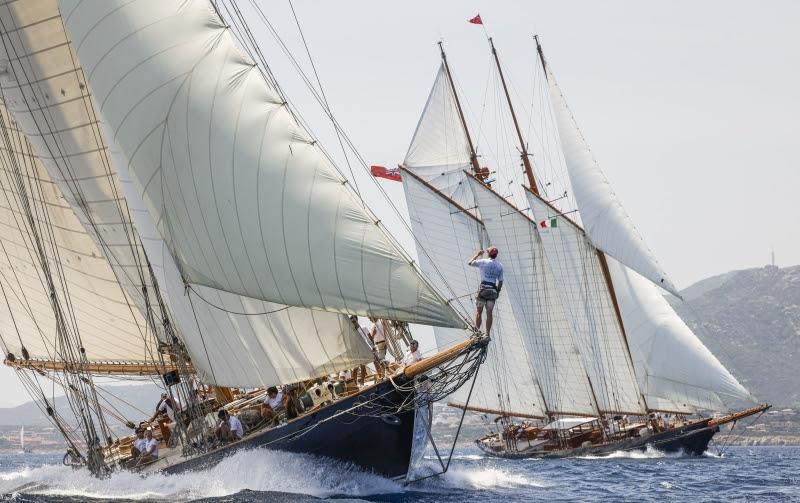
point(245, 200)
point(227, 348)
point(451, 235)
point(533, 291)
point(607, 224)
point(439, 151)
point(671, 362)
point(111, 329)
point(589, 306)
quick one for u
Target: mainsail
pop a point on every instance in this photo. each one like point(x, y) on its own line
point(607, 224)
point(671, 362)
point(245, 200)
point(589, 305)
point(451, 234)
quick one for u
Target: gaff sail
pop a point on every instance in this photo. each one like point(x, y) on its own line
point(245, 200)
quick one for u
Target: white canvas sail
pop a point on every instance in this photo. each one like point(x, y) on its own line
point(246, 202)
point(439, 151)
point(606, 222)
point(110, 327)
point(228, 349)
point(533, 292)
point(584, 293)
point(451, 235)
point(671, 362)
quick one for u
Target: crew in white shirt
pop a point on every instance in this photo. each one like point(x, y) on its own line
point(149, 451)
point(229, 428)
point(412, 355)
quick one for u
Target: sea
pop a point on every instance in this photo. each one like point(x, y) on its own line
point(750, 474)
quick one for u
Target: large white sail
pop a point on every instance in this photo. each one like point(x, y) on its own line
point(245, 200)
point(671, 362)
point(607, 224)
point(227, 348)
point(439, 151)
point(451, 235)
point(533, 291)
point(110, 327)
point(589, 306)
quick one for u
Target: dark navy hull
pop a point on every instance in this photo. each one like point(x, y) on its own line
point(692, 439)
point(374, 436)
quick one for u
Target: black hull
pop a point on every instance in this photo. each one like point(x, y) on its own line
point(692, 439)
point(374, 436)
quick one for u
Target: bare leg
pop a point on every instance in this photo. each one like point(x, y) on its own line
point(489, 316)
point(479, 316)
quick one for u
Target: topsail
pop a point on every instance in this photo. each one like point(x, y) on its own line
point(245, 200)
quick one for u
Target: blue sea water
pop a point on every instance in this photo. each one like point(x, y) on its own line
point(739, 474)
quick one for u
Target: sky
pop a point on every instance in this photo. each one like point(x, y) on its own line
point(690, 107)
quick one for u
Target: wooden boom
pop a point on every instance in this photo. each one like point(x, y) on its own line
point(106, 368)
point(485, 410)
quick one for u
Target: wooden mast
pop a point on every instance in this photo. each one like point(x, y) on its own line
point(473, 156)
point(601, 257)
point(526, 162)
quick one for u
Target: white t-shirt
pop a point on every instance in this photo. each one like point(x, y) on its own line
point(236, 426)
point(140, 444)
point(151, 444)
point(412, 357)
point(276, 402)
point(163, 406)
point(380, 332)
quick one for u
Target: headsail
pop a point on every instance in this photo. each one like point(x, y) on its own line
point(245, 200)
point(532, 289)
point(671, 362)
point(607, 224)
point(451, 235)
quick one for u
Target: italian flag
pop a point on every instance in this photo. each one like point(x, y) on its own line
point(550, 222)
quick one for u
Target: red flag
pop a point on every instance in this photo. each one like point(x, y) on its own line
point(476, 20)
point(389, 174)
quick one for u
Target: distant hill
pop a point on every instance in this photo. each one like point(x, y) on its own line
point(750, 320)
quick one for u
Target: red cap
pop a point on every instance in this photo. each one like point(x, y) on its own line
point(492, 251)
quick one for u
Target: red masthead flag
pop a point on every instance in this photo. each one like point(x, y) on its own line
point(382, 172)
point(476, 20)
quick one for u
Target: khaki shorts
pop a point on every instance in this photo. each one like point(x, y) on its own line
point(486, 297)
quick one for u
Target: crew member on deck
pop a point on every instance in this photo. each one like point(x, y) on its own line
point(274, 403)
point(166, 409)
point(138, 446)
point(149, 453)
point(412, 355)
point(378, 336)
point(229, 428)
point(491, 284)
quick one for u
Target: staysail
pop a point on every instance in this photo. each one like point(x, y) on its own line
point(227, 347)
point(245, 200)
point(671, 362)
point(606, 222)
point(451, 235)
point(589, 306)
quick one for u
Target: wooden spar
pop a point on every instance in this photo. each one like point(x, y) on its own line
point(473, 156)
point(485, 410)
point(107, 368)
point(739, 415)
point(441, 357)
point(526, 162)
point(439, 193)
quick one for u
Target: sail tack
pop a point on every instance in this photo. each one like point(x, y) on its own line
point(245, 200)
point(671, 362)
point(532, 289)
point(607, 224)
point(451, 235)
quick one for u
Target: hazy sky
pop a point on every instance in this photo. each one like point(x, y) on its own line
point(690, 107)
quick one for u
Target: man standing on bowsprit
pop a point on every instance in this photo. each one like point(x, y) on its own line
point(491, 283)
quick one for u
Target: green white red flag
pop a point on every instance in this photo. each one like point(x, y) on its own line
point(550, 222)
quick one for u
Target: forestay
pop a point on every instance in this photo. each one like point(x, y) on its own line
point(227, 348)
point(532, 290)
point(245, 200)
point(588, 304)
point(607, 224)
point(671, 362)
point(111, 329)
point(439, 151)
point(451, 235)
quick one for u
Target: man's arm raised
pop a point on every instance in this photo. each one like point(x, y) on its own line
point(478, 253)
